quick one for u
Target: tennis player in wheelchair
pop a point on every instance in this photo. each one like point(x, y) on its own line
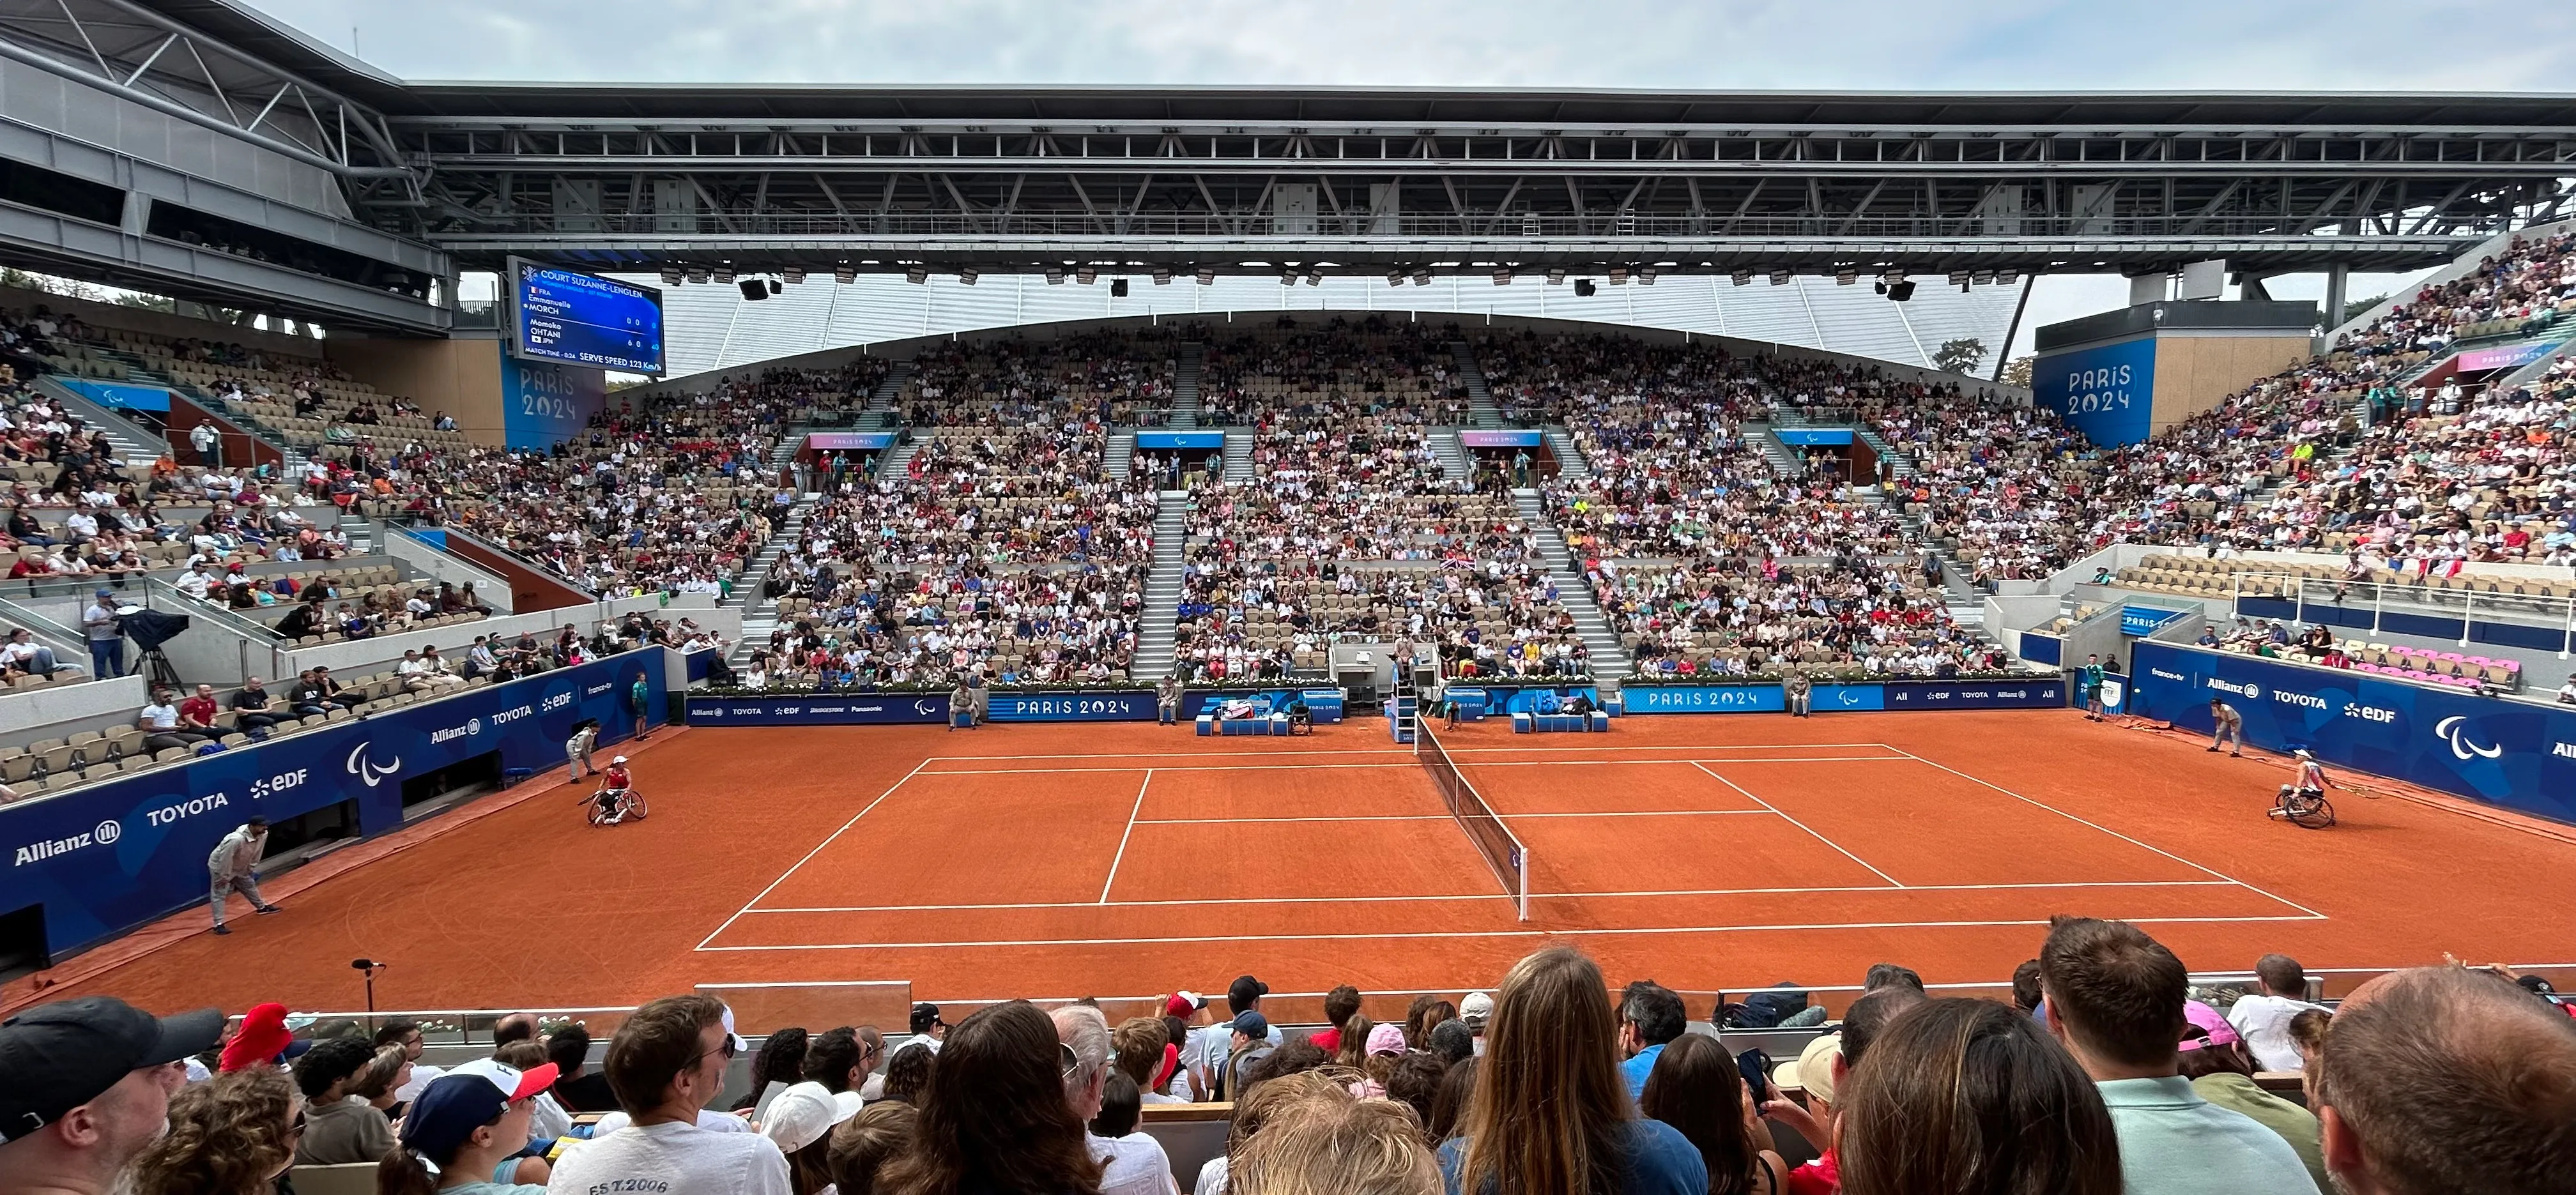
point(616, 801)
point(2302, 802)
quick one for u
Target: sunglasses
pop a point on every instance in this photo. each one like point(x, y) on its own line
point(296, 1126)
point(725, 1047)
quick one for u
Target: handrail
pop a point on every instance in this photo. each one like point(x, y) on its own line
point(57, 636)
point(2558, 613)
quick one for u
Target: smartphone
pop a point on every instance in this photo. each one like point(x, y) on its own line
point(1756, 1066)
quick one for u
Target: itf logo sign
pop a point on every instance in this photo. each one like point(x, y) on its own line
point(2107, 392)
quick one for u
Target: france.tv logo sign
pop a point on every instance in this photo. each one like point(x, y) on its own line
point(2108, 393)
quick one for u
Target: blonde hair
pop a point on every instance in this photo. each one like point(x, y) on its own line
point(1324, 1147)
point(1549, 1102)
point(1273, 1098)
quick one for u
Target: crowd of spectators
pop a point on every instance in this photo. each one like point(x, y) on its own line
point(1268, 620)
point(1729, 617)
point(1002, 548)
point(1370, 373)
point(2108, 1072)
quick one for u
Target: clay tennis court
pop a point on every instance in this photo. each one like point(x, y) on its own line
point(1119, 860)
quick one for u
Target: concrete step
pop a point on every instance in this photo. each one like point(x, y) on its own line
point(1157, 632)
point(1569, 458)
point(1481, 410)
point(1238, 456)
point(1185, 384)
point(1454, 463)
point(1121, 458)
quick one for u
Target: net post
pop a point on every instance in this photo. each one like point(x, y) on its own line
point(1525, 884)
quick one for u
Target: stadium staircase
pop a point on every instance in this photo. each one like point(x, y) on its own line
point(759, 612)
point(1569, 457)
point(1609, 659)
point(1481, 411)
point(132, 441)
point(1185, 385)
point(1774, 453)
point(897, 459)
point(1238, 456)
point(1454, 464)
point(1121, 459)
point(1899, 465)
point(1159, 632)
point(880, 412)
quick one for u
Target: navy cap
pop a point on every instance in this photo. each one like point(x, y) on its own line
point(1252, 1025)
point(455, 1104)
point(57, 1057)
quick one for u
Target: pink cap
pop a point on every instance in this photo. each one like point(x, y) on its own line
point(2214, 1029)
point(1386, 1039)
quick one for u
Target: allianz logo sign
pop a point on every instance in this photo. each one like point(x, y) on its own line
point(2248, 691)
point(452, 733)
point(2563, 750)
point(106, 833)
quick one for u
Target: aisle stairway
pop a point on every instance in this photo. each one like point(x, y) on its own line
point(1238, 456)
point(880, 412)
point(1454, 464)
point(1121, 455)
point(1481, 411)
point(1570, 462)
point(1185, 385)
point(1156, 632)
point(1609, 660)
point(1775, 454)
point(759, 613)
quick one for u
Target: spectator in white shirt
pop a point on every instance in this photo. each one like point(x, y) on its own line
point(1133, 1163)
point(196, 580)
point(667, 1064)
point(2264, 1018)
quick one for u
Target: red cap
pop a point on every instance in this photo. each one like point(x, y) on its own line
point(261, 1038)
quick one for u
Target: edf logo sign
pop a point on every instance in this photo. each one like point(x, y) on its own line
point(2106, 392)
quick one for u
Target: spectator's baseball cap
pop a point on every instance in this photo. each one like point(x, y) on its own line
point(1183, 1004)
point(925, 1017)
point(262, 1037)
point(103, 591)
point(1252, 1025)
point(1244, 990)
point(1812, 1071)
point(447, 1112)
point(1476, 1009)
point(2210, 1028)
point(1386, 1038)
point(57, 1057)
point(803, 1113)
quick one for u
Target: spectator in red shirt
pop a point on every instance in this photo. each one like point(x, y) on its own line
point(198, 713)
point(1340, 1005)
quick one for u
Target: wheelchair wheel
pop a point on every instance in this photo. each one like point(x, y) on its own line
point(2315, 813)
point(636, 809)
point(598, 816)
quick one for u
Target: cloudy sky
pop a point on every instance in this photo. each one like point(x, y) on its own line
point(2263, 45)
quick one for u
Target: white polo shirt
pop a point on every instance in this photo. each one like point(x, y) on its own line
point(672, 1158)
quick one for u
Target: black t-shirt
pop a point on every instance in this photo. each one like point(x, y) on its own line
point(588, 1092)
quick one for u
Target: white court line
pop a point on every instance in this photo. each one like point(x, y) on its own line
point(1795, 822)
point(2116, 834)
point(1305, 900)
point(1484, 763)
point(1442, 817)
point(1394, 751)
point(1415, 936)
point(809, 855)
point(1121, 857)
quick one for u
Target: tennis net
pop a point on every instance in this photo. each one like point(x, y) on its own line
point(1485, 828)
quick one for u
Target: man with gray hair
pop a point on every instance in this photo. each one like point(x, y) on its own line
point(1131, 1165)
point(2448, 1081)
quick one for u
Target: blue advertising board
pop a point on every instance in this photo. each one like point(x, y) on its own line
point(821, 709)
point(1122, 706)
point(2106, 392)
point(2033, 694)
point(2514, 754)
point(118, 394)
point(543, 404)
point(106, 858)
point(1803, 437)
point(1169, 440)
point(1703, 699)
point(2141, 621)
point(1847, 697)
point(2042, 649)
point(1527, 438)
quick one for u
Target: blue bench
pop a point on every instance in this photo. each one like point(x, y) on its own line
point(1274, 724)
point(1526, 723)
